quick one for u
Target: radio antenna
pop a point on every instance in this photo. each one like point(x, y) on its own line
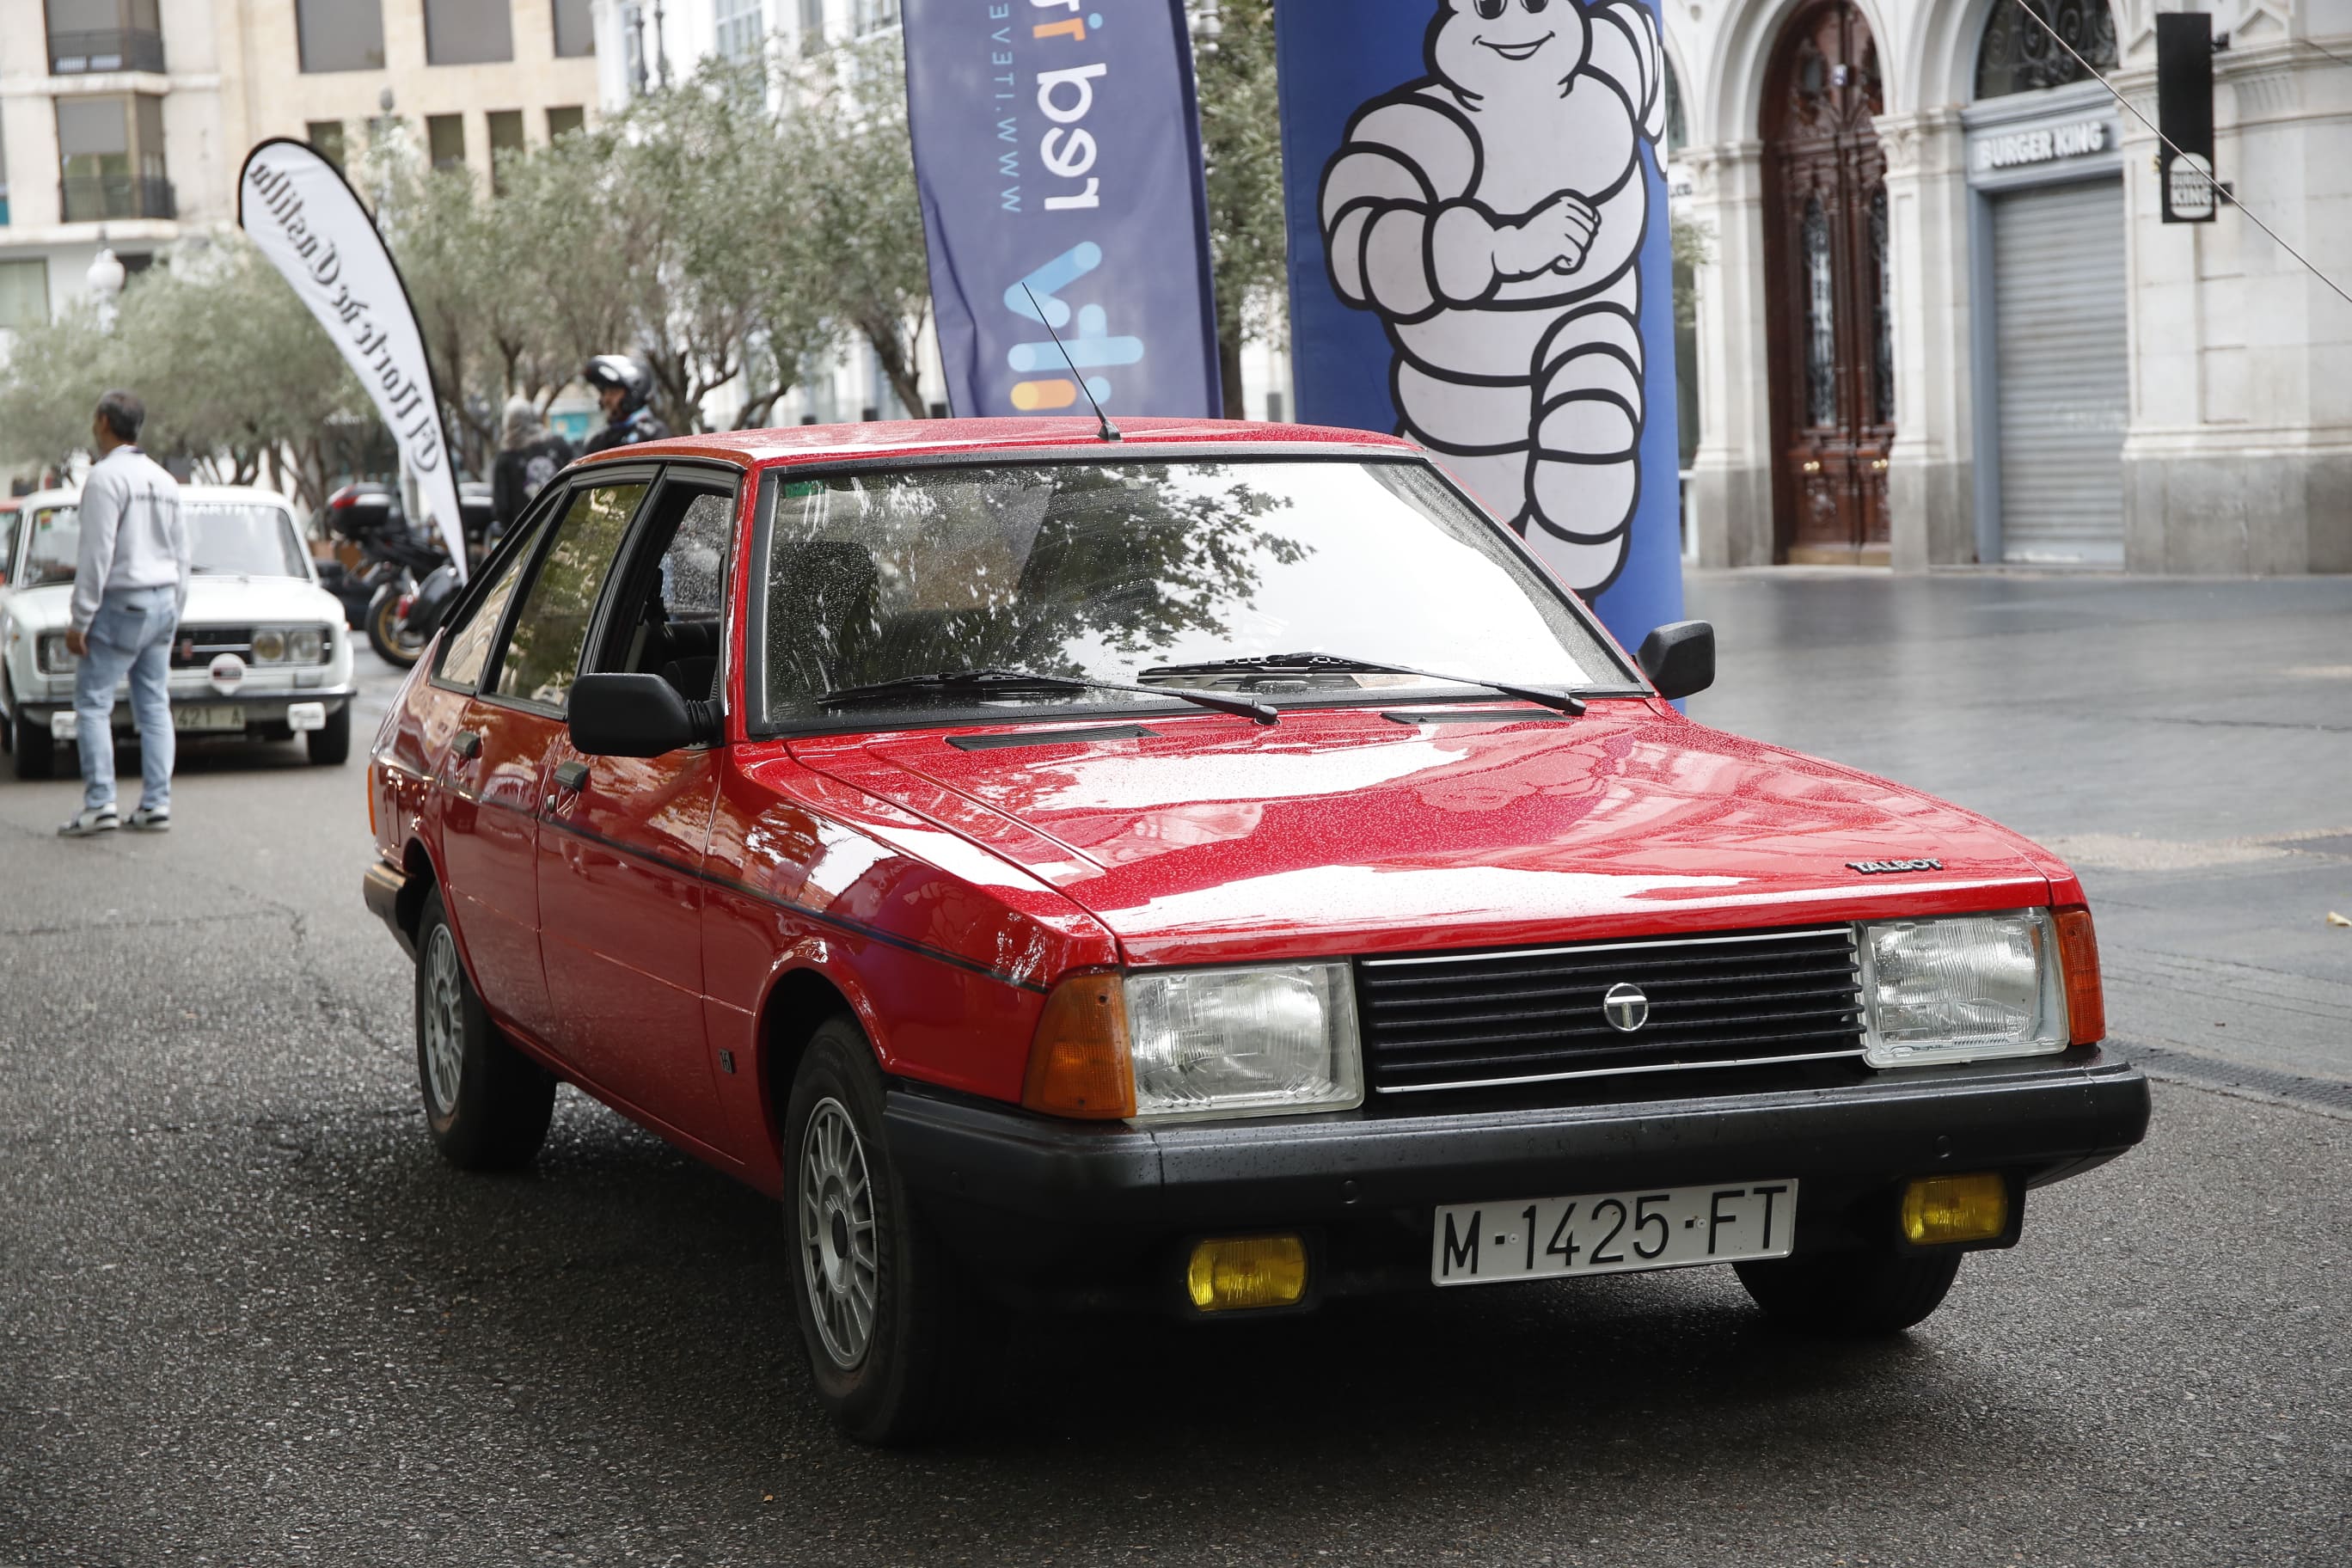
point(1106, 430)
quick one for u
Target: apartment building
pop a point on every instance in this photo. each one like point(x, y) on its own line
point(123, 122)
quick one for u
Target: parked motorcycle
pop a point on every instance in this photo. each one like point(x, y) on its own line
point(395, 558)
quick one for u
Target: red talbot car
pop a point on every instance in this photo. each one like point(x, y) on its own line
point(1218, 869)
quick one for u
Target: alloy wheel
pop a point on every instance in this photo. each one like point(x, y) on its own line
point(839, 1261)
point(443, 1020)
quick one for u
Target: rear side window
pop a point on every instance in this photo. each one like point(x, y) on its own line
point(542, 652)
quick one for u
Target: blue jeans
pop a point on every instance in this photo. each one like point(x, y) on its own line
point(132, 632)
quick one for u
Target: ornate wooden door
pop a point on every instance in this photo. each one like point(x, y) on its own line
point(1830, 341)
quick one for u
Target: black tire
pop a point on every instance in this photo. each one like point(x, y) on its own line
point(35, 754)
point(494, 1115)
point(910, 1378)
point(385, 631)
point(1851, 1295)
point(331, 747)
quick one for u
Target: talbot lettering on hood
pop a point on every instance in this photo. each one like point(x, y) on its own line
point(1876, 867)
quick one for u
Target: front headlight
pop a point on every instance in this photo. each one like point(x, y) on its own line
point(1268, 1040)
point(1261, 1041)
point(51, 654)
point(1961, 988)
point(289, 644)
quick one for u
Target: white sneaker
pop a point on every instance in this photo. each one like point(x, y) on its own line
point(148, 820)
point(88, 823)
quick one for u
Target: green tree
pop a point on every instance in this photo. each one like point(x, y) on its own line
point(1241, 153)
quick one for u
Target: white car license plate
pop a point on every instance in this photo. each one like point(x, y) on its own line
point(208, 716)
point(1611, 1233)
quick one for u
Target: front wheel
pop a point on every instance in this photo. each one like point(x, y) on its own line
point(1851, 1295)
point(36, 754)
point(330, 744)
point(486, 1103)
point(884, 1314)
point(387, 625)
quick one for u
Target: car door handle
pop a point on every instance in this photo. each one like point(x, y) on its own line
point(469, 744)
point(572, 775)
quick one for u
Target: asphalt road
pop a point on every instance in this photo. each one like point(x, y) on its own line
point(247, 1317)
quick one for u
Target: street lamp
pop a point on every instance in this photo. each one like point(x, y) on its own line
point(105, 280)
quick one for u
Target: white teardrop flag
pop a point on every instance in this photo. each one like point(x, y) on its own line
point(312, 227)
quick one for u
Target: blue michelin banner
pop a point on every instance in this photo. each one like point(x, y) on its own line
point(1480, 261)
point(1057, 147)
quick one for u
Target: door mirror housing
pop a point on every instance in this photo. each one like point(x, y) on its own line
point(633, 716)
point(1679, 658)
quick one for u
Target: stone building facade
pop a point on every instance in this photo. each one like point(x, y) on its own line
point(1940, 320)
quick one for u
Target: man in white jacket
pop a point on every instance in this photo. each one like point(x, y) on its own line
point(131, 581)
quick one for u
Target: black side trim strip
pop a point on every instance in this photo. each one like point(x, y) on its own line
point(1051, 737)
point(761, 894)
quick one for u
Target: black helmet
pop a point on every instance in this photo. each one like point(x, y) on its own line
point(621, 371)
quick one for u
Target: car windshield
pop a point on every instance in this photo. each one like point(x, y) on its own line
point(226, 538)
point(1149, 574)
point(248, 539)
point(55, 535)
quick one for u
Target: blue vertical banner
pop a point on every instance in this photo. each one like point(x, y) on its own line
point(1058, 150)
point(1480, 261)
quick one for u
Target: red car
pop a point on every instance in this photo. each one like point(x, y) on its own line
point(1218, 869)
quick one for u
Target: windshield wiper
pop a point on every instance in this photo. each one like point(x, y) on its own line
point(1017, 680)
point(1302, 663)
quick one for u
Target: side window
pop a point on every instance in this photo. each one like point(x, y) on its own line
point(468, 646)
point(542, 651)
point(668, 622)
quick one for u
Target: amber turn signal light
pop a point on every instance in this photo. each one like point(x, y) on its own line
point(1079, 1063)
point(1233, 1273)
point(2078, 959)
point(1938, 1209)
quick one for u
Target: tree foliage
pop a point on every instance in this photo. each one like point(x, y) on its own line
point(1241, 153)
point(236, 376)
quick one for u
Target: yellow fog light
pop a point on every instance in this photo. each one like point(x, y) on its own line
point(1230, 1273)
point(1955, 1208)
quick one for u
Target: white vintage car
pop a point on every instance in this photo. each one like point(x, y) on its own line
point(261, 652)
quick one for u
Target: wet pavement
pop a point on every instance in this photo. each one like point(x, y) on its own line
point(247, 1316)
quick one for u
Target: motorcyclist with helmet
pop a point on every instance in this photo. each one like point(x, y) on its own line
point(622, 386)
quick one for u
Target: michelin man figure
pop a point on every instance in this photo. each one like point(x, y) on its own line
point(1492, 214)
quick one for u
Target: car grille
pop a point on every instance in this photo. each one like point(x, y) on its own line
point(1535, 1016)
point(195, 648)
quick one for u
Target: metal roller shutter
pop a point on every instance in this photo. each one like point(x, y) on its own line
point(2064, 388)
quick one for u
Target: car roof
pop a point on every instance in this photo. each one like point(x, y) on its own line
point(222, 495)
point(888, 439)
point(216, 495)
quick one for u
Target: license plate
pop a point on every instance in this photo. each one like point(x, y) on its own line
point(208, 716)
point(1611, 1233)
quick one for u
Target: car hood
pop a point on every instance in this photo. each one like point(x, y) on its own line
point(1210, 839)
point(212, 601)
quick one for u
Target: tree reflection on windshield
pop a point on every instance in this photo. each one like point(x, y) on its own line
point(1108, 569)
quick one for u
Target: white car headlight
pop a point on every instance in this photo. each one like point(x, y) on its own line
point(51, 654)
point(268, 645)
point(1961, 988)
point(306, 645)
point(1267, 1040)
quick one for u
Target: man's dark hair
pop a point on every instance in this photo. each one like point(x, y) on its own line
point(124, 414)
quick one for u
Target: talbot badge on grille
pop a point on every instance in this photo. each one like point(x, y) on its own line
point(1880, 867)
point(1626, 1007)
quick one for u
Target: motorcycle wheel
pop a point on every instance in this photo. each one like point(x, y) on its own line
point(387, 628)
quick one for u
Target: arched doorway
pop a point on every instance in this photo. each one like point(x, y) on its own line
point(1830, 340)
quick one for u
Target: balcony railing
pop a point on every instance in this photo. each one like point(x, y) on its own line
point(116, 49)
point(96, 200)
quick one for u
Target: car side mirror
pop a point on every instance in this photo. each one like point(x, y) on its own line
point(631, 716)
point(1679, 658)
point(432, 600)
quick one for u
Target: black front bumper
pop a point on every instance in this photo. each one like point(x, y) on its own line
point(1070, 1208)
